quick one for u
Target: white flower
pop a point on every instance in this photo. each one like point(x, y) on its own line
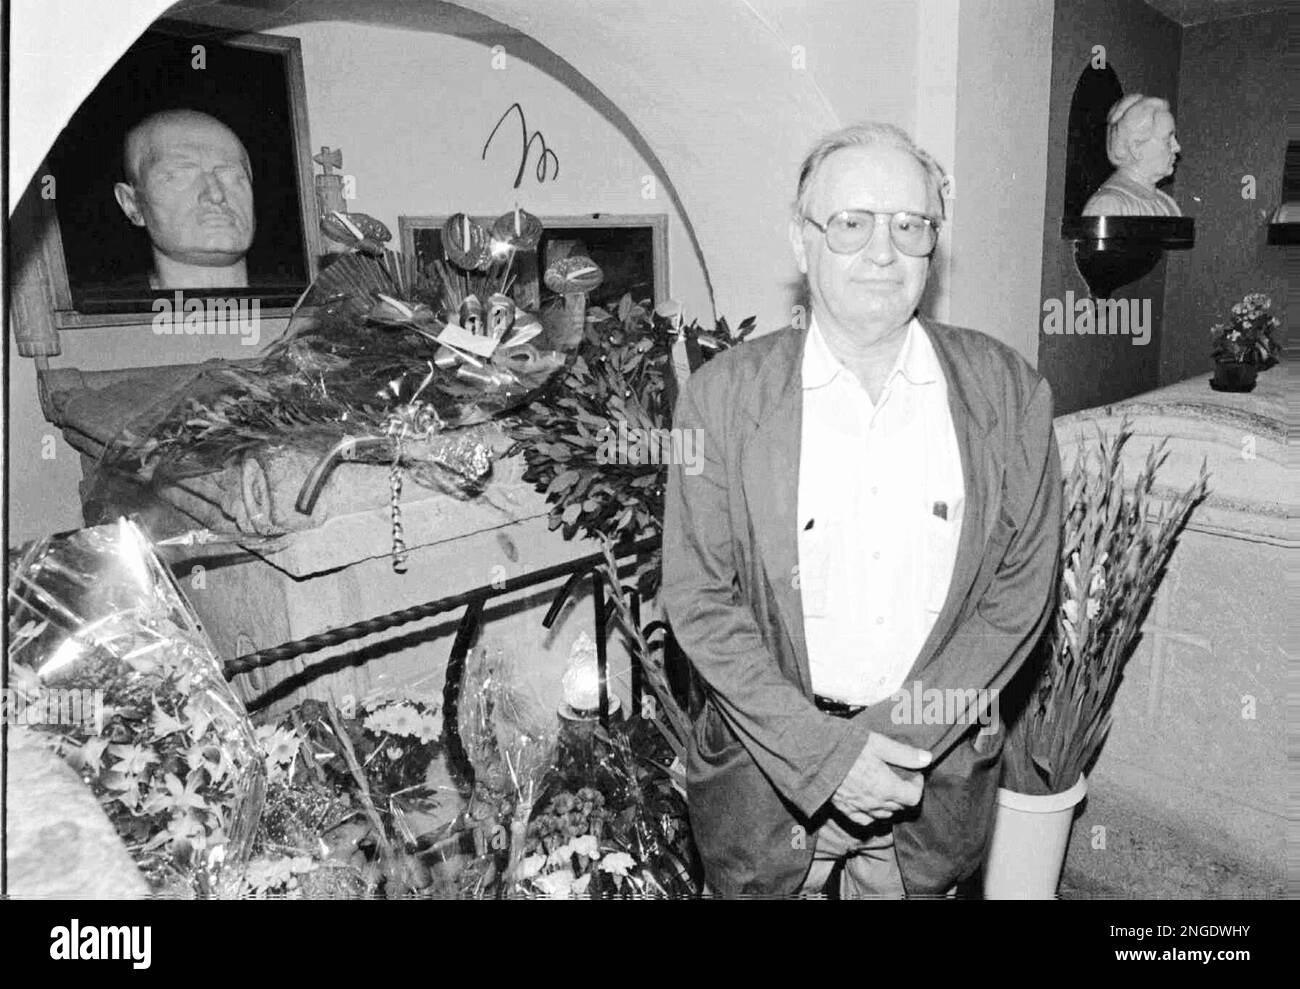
point(1070, 581)
point(395, 719)
point(92, 751)
point(531, 866)
point(580, 884)
point(557, 885)
point(586, 845)
point(617, 863)
point(430, 727)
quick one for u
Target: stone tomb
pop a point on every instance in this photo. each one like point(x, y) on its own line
point(334, 568)
point(1188, 797)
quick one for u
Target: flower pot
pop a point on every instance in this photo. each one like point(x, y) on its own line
point(1229, 376)
point(1027, 850)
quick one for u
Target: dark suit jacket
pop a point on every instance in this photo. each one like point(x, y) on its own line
point(763, 760)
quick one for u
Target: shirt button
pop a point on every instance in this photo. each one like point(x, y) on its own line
point(880, 619)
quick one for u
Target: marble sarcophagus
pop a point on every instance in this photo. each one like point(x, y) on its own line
point(1189, 795)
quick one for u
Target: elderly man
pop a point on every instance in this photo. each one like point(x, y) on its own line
point(1140, 143)
point(190, 186)
point(878, 511)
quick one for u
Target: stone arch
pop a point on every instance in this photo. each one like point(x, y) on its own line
point(665, 65)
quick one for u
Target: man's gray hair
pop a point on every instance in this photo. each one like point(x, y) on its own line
point(1130, 121)
point(862, 136)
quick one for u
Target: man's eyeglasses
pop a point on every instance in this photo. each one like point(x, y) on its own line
point(850, 230)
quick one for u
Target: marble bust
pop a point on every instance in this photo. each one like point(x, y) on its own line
point(1140, 143)
point(190, 186)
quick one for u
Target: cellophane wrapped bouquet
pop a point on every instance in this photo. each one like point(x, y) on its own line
point(108, 661)
point(563, 808)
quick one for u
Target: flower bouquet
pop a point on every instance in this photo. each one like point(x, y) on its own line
point(354, 803)
point(380, 363)
point(609, 822)
point(107, 660)
point(568, 811)
point(1116, 543)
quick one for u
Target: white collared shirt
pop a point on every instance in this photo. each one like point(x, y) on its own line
point(880, 507)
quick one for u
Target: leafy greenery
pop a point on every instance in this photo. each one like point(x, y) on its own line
point(621, 377)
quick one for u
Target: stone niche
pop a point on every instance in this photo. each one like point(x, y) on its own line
point(1188, 797)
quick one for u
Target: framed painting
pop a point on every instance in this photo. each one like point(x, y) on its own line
point(630, 249)
point(103, 251)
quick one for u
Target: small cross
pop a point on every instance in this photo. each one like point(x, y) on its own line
point(326, 158)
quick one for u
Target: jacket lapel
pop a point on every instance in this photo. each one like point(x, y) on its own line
point(770, 479)
point(975, 422)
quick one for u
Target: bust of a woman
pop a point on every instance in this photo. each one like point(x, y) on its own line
point(1140, 143)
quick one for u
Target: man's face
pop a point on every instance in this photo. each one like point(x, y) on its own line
point(875, 291)
point(1157, 154)
point(193, 192)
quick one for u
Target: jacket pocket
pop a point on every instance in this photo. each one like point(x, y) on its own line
point(712, 736)
point(940, 549)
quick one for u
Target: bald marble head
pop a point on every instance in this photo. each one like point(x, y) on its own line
point(189, 185)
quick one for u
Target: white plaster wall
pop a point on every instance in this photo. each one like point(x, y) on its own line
point(1004, 83)
point(715, 93)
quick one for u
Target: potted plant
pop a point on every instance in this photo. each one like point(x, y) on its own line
point(1116, 542)
point(1244, 344)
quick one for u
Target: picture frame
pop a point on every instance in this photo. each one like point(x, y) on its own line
point(630, 248)
point(93, 274)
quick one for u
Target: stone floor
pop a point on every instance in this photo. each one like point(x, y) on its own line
point(1154, 856)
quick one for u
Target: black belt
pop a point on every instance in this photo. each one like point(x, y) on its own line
point(838, 709)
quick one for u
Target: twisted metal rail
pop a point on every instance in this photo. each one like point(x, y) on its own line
point(473, 601)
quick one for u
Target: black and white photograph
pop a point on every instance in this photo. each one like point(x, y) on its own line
point(654, 450)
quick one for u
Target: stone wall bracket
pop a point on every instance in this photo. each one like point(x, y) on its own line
point(1113, 251)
